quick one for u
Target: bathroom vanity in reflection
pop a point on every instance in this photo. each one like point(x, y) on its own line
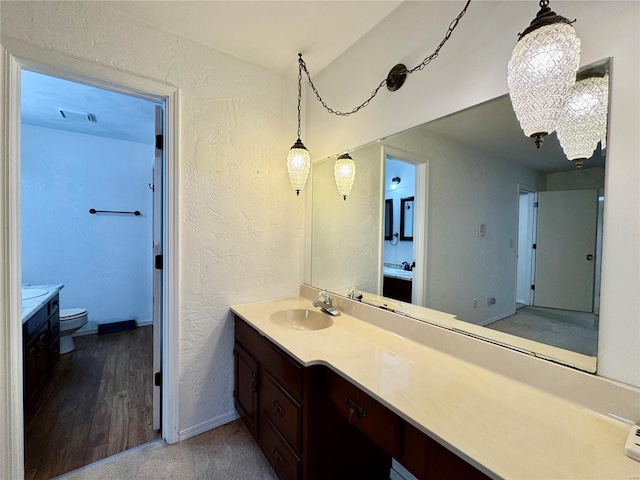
point(41, 346)
point(311, 423)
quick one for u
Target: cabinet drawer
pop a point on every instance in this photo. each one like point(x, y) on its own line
point(283, 411)
point(53, 305)
point(285, 370)
point(375, 420)
point(283, 460)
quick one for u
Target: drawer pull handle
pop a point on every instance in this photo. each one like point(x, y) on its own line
point(277, 409)
point(279, 458)
point(254, 381)
point(354, 409)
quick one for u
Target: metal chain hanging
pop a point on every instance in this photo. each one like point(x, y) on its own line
point(393, 82)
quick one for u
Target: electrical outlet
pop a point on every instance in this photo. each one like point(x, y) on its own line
point(475, 303)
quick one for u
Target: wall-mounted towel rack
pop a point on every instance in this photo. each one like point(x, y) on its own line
point(94, 211)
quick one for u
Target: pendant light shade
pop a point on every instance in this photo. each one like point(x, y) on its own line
point(298, 159)
point(298, 164)
point(541, 71)
point(345, 172)
point(583, 122)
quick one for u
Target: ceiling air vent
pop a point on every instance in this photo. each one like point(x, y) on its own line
point(77, 117)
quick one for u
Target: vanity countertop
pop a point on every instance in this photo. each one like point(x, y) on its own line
point(397, 273)
point(505, 428)
point(31, 304)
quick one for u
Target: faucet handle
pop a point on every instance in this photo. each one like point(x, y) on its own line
point(325, 297)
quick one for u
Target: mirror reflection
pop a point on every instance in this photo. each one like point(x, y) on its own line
point(482, 232)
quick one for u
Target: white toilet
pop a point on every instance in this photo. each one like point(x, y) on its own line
point(71, 319)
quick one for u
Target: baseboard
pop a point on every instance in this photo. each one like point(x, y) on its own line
point(115, 327)
point(488, 321)
point(92, 328)
point(208, 425)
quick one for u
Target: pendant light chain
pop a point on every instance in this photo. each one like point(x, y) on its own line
point(402, 72)
point(452, 27)
point(299, 92)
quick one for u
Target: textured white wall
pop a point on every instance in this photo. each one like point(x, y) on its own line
point(104, 261)
point(471, 69)
point(240, 222)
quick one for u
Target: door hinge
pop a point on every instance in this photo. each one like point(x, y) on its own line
point(159, 142)
point(533, 287)
point(158, 262)
point(157, 379)
point(535, 246)
point(535, 205)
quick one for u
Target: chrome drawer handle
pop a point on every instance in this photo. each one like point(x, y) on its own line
point(354, 408)
point(277, 409)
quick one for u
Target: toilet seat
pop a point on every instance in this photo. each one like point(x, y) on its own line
point(72, 313)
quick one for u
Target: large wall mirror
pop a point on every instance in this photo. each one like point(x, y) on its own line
point(505, 239)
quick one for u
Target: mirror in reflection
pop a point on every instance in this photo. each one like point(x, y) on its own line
point(503, 238)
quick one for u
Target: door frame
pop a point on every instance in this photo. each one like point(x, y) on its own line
point(531, 230)
point(16, 56)
point(419, 293)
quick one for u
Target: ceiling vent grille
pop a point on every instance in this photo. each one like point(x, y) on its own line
point(77, 116)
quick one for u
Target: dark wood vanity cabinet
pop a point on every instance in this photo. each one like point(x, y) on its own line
point(397, 289)
point(311, 423)
point(41, 341)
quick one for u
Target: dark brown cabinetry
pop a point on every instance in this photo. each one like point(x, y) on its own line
point(41, 340)
point(397, 289)
point(311, 423)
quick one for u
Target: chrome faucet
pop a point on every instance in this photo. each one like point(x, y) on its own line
point(325, 303)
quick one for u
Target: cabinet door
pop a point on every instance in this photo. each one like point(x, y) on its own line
point(426, 458)
point(246, 388)
point(36, 362)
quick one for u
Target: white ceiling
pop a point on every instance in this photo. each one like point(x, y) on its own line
point(118, 116)
point(269, 33)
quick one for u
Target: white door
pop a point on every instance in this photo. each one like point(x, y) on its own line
point(157, 270)
point(526, 236)
point(566, 248)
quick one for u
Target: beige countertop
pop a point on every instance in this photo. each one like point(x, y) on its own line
point(506, 428)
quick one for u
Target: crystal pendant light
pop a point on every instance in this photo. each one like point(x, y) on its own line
point(345, 172)
point(298, 160)
point(542, 68)
point(583, 122)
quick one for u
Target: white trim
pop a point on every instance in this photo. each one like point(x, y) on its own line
point(208, 425)
point(488, 321)
point(421, 212)
point(11, 409)
point(171, 273)
point(20, 56)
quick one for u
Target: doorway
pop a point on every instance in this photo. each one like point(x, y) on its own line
point(90, 211)
point(404, 247)
point(526, 252)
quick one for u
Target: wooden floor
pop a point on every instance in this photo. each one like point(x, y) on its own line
point(98, 402)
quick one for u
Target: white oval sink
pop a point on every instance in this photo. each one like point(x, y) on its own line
point(381, 303)
point(29, 293)
point(301, 319)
